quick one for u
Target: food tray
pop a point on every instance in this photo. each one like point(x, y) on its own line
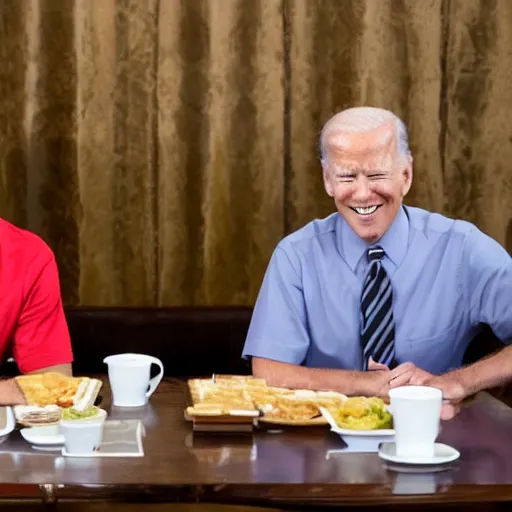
point(245, 399)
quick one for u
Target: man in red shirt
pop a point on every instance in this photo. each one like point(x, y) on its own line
point(33, 327)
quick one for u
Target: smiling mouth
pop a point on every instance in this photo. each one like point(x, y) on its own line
point(366, 211)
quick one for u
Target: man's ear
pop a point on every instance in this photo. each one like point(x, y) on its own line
point(407, 173)
point(327, 180)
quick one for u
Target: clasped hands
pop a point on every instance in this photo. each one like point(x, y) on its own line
point(385, 379)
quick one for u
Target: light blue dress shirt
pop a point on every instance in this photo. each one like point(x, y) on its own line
point(448, 279)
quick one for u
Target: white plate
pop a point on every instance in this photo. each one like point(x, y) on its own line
point(442, 455)
point(47, 435)
point(50, 448)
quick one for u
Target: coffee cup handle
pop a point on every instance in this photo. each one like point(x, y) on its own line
point(153, 383)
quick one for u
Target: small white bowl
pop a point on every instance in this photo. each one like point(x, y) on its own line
point(360, 440)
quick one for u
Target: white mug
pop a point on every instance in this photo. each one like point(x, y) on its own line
point(129, 376)
point(416, 417)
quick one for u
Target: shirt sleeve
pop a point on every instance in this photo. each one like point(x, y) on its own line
point(41, 337)
point(278, 328)
point(488, 283)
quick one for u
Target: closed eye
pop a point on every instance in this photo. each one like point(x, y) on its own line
point(345, 177)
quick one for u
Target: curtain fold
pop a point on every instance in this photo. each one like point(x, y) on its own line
point(163, 147)
point(478, 147)
point(220, 134)
point(14, 50)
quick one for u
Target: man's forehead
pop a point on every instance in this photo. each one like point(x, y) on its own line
point(379, 141)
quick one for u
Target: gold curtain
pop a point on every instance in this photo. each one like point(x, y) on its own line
point(163, 147)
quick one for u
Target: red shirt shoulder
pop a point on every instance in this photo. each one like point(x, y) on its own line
point(30, 301)
point(21, 248)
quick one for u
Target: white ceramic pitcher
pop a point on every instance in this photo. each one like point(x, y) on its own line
point(129, 376)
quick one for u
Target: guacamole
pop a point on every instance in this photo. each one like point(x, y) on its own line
point(73, 414)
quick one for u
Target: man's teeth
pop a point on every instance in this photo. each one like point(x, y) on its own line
point(366, 211)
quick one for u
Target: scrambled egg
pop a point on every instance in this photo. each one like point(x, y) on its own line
point(362, 413)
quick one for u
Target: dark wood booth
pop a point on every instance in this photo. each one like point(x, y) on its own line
point(189, 340)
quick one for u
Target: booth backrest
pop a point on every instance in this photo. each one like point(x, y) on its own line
point(189, 341)
point(195, 341)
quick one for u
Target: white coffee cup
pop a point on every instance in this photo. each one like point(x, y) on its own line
point(416, 417)
point(130, 378)
point(83, 435)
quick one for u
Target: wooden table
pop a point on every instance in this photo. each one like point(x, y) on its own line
point(284, 468)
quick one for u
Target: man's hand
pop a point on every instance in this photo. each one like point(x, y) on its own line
point(453, 391)
point(417, 376)
point(379, 378)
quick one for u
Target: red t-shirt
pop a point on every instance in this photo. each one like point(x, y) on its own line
point(31, 312)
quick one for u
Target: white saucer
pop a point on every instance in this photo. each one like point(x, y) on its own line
point(49, 448)
point(442, 455)
point(48, 435)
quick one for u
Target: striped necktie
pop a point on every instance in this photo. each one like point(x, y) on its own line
point(378, 326)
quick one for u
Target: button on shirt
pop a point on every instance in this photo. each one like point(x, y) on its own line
point(448, 279)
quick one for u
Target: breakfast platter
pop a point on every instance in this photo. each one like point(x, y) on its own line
point(51, 396)
point(236, 399)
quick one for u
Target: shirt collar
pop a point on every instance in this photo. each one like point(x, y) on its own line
point(394, 242)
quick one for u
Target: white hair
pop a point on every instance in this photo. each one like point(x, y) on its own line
point(365, 119)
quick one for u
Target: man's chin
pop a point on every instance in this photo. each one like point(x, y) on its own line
point(369, 234)
point(370, 238)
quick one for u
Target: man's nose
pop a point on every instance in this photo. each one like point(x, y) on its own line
point(362, 189)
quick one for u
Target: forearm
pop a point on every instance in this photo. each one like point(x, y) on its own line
point(293, 376)
point(65, 369)
point(487, 373)
point(10, 393)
